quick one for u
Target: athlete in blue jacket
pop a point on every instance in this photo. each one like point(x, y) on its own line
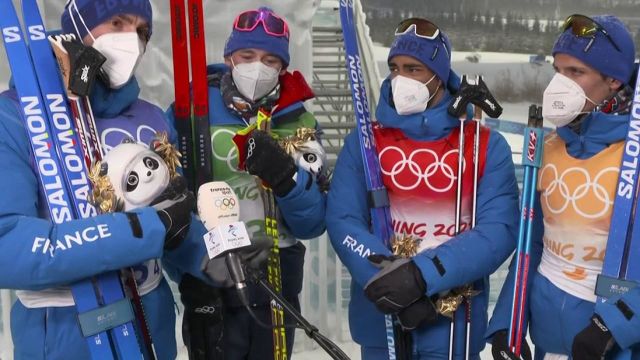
point(44, 320)
point(576, 188)
point(416, 142)
point(255, 77)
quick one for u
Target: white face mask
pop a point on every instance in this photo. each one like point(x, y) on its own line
point(123, 51)
point(410, 96)
point(255, 80)
point(563, 100)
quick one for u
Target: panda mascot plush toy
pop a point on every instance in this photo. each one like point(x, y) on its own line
point(133, 175)
point(305, 149)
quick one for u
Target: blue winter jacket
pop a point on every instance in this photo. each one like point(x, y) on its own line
point(467, 258)
point(302, 210)
point(53, 332)
point(558, 315)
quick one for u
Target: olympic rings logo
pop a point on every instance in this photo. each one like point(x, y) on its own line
point(231, 157)
point(251, 147)
point(205, 310)
point(434, 169)
point(143, 134)
point(572, 196)
point(225, 203)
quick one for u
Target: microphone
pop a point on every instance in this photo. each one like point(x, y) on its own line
point(219, 211)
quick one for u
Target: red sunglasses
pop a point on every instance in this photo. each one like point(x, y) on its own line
point(272, 24)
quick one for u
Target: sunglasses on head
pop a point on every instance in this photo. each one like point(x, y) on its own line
point(272, 24)
point(422, 28)
point(586, 27)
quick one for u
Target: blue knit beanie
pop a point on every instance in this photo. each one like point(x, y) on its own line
point(423, 50)
point(602, 55)
point(258, 39)
point(95, 12)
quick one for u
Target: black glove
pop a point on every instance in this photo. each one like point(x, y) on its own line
point(268, 161)
point(177, 187)
point(421, 312)
point(174, 208)
point(254, 257)
point(500, 348)
point(202, 325)
point(593, 342)
point(395, 287)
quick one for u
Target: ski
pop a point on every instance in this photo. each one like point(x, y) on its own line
point(191, 113)
point(274, 275)
point(274, 270)
point(621, 268)
point(191, 106)
point(201, 126)
point(531, 160)
point(380, 214)
point(110, 290)
point(182, 105)
point(50, 123)
point(78, 81)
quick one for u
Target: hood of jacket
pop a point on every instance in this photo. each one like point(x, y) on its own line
point(597, 131)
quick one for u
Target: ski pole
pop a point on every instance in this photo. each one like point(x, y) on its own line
point(471, 91)
point(477, 118)
point(477, 115)
point(531, 159)
point(458, 216)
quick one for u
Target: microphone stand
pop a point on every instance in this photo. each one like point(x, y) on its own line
point(329, 347)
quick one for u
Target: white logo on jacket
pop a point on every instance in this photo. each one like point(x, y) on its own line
point(231, 157)
point(353, 245)
point(438, 167)
point(571, 196)
point(89, 234)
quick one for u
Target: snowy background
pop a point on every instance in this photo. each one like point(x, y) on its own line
point(325, 293)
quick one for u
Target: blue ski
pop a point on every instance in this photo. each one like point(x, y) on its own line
point(41, 93)
point(380, 214)
point(621, 268)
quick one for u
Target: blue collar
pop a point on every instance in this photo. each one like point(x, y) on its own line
point(432, 124)
point(110, 103)
point(597, 131)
